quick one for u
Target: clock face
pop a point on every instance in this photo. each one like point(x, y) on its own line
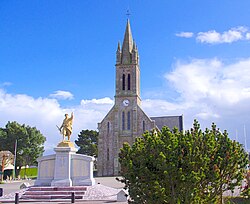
point(125, 102)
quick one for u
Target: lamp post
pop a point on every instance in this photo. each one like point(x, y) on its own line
point(14, 170)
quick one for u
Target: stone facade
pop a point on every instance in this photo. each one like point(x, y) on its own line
point(126, 120)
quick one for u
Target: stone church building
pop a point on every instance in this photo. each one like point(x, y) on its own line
point(126, 119)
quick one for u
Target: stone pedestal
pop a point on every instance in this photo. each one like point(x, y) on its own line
point(65, 168)
point(62, 173)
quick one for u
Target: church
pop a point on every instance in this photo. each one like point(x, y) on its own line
point(126, 120)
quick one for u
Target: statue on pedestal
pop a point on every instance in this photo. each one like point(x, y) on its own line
point(66, 127)
point(65, 167)
point(66, 131)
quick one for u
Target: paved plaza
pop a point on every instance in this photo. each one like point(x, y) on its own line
point(104, 191)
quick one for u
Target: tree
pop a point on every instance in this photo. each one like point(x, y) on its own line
point(88, 142)
point(182, 167)
point(29, 142)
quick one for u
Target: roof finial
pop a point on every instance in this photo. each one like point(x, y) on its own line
point(128, 13)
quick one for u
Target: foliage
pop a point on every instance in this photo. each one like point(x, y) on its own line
point(182, 167)
point(28, 173)
point(29, 142)
point(88, 142)
point(246, 193)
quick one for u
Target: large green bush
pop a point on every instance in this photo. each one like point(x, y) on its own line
point(182, 167)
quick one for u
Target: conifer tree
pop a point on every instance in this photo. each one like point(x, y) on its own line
point(182, 167)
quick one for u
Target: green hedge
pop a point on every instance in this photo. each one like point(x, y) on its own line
point(29, 172)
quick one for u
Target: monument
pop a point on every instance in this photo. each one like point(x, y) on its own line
point(65, 167)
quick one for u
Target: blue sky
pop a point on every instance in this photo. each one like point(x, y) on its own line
point(59, 56)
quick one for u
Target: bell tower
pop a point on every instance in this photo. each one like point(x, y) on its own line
point(127, 69)
point(126, 120)
point(127, 96)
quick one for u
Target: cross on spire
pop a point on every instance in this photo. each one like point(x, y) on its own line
point(128, 13)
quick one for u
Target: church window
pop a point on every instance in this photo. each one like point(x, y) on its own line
point(108, 154)
point(123, 82)
point(143, 126)
point(123, 120)
point(108, 127)
point(128, 81)
point(128, 120)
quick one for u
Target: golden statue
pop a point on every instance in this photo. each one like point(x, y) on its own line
point(66, 127)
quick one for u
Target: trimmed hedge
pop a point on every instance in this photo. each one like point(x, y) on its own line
point(29, 172)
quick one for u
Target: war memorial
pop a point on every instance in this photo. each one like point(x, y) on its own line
point(65, 168)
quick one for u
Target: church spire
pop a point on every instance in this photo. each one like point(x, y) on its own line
point(128, 39)
point(127, 45)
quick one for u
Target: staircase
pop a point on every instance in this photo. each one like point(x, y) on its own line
point(48, 193)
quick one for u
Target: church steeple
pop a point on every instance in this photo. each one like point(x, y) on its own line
point(127, 68)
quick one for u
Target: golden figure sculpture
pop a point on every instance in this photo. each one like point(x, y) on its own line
point(66, 127)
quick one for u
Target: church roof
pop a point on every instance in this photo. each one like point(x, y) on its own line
point(170, 121)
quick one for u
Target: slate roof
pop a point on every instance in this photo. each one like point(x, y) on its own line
point(170, 121)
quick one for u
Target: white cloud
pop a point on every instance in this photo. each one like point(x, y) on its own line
point(211, 91)
point(105, 100)
point(208, 37)
point(185, 34)
point(214, 37)
point(211, 79)
point(42, 113)
point(248, 36)
point(6, 84)
point(62, 95)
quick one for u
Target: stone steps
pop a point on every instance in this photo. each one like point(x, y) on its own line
point(53, 188)
point(53, 192)
point(42, 193)
point(48, 197)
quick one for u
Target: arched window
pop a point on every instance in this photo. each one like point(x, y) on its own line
point(128, 81)
point(123, 120)
point(143, 126)
point(108, 127)
point(128, 120)
point(123, 82)
point(108, 154)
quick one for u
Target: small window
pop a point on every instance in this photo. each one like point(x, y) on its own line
point(108, 154)
point(108, 127)
point(128, 81)
point(123, 82)
point(128, 120)
point(143, 126)
point(123, 121)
